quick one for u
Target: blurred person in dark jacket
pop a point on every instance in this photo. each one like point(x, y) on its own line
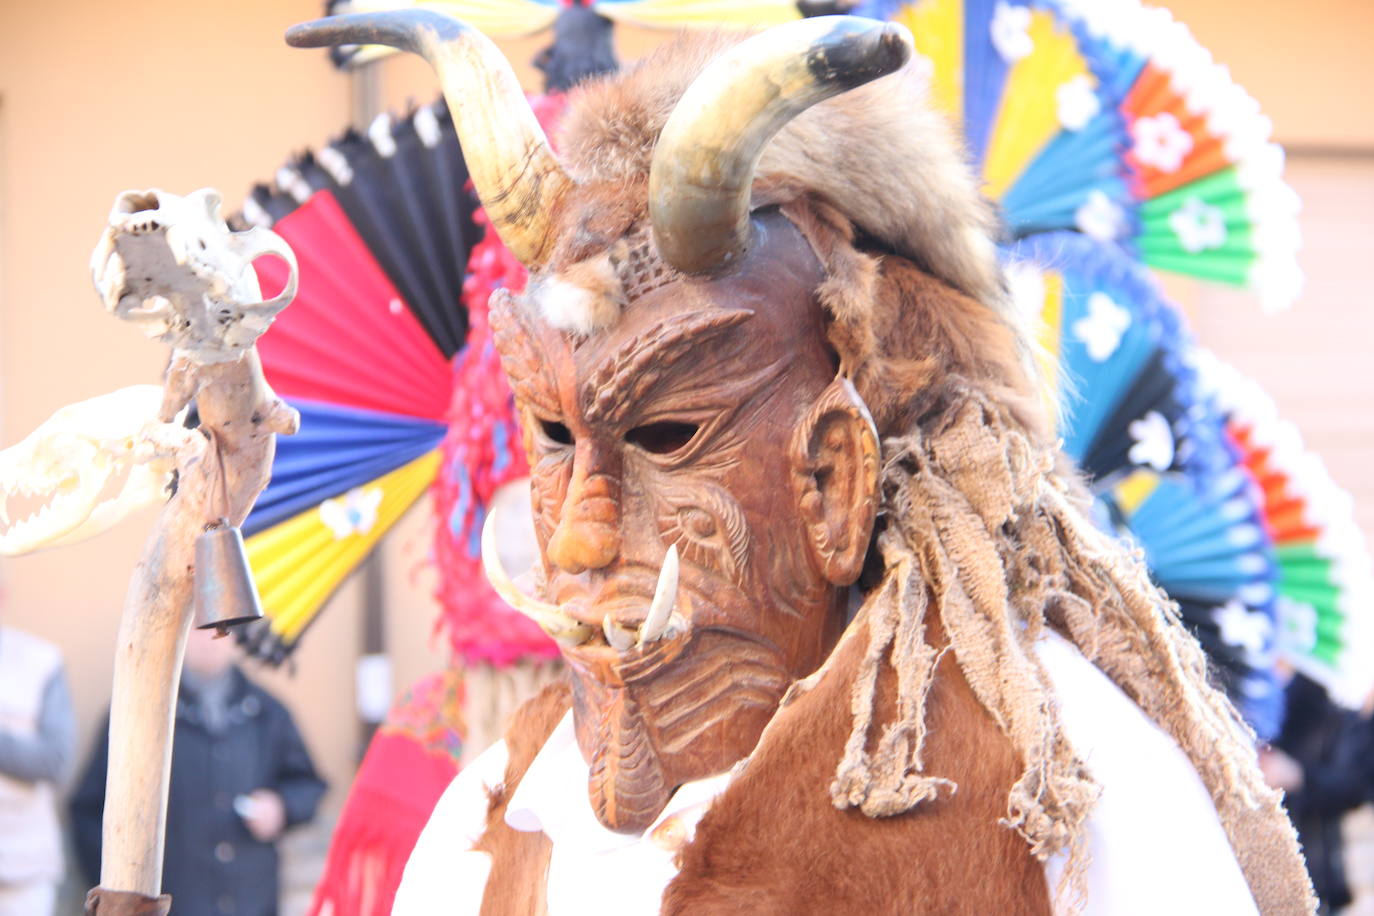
point(1324, 762)
point(36, 739)
point(241, 776)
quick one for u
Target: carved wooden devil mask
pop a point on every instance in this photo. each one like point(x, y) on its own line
point(708, 421)
point(703, 481)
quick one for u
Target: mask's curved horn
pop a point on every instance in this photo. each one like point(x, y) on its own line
point(513, 168)
point(704, 162)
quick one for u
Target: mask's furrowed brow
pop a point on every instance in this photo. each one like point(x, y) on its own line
point(624, 375)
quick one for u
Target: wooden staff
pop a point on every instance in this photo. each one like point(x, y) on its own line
point(221, 468)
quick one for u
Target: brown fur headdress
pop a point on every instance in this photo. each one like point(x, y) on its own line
point(893, 172)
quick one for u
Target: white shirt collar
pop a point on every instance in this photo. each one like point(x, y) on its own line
point(552, 797)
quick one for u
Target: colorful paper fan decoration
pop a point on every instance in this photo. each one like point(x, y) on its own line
point(1206, 546)
point(376, 354)
point(511, 18)
point(1139, 423)
point(1325, 584)
point(1118, 356)
point(1107, 118)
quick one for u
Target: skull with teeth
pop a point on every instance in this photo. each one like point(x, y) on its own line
point(170, 265)
point(86, 468)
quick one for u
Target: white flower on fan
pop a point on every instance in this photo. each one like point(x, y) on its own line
point(1010, 30)
point(1077, 103)
point(1256, 688)
point(1101, 329)
point(1099, 217)
point(1161, 142)
point(1297, 625)
point(1199, 226)
point(1154, 441)
point(1243, 629)
point(353, 513)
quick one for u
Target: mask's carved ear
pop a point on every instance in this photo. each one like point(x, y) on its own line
point(835, 480)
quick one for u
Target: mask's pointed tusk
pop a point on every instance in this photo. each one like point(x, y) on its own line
point(560, 627)
point(665, 596)
point(619, 639)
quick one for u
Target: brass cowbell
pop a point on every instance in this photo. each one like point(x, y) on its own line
point(224, 589)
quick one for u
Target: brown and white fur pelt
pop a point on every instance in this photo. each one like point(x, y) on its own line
point(853, 151)
point(981, 546)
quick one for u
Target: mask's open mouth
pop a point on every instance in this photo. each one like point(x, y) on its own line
point(618, 633)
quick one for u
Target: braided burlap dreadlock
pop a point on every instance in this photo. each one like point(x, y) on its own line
point(980, 529)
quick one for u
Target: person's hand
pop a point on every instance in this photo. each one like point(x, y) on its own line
point(263, 814)
point(1280, 770)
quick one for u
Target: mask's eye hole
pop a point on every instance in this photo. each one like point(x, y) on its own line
point(557, 432)
point(661, 438)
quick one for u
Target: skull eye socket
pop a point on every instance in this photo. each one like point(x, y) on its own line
point(556, 432)
point(662, 438)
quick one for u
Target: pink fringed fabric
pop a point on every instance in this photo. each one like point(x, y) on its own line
point(411, 760)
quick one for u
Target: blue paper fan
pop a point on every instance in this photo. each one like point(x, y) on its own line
point(1130, 398)
point(1206, 546)
point(1152, 441)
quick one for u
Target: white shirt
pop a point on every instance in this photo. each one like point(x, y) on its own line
point(1156, 843)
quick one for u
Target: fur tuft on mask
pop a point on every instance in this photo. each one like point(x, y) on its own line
point(581, 299)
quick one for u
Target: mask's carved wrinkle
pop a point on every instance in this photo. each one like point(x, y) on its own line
point(708, 526)
point(684, 715)
point(548, 493)
point(522, 357)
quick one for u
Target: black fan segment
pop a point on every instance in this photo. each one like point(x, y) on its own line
point(406, 194)
point(405, 189)
point(1154, 389)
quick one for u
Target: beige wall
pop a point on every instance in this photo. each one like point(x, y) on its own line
point(96, 97)
point(1309, 64)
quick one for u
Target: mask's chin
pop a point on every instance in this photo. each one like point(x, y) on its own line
point(674, 714)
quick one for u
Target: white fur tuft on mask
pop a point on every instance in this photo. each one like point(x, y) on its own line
point(583, 298)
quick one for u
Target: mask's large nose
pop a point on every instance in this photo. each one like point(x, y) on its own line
point(588, 531)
